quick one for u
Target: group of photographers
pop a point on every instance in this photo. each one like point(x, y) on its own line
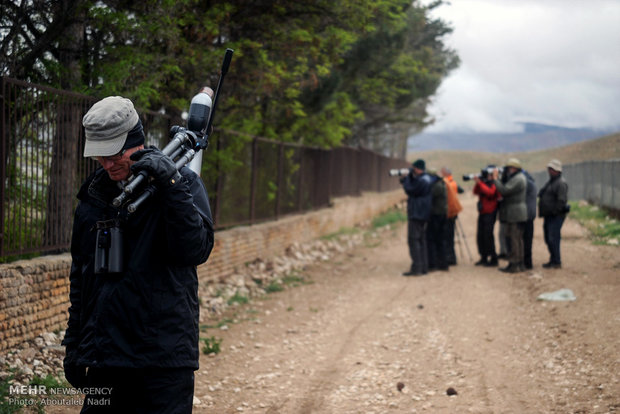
point(508, 194)
point(432, 209)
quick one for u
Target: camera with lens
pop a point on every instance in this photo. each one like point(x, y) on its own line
point(399, 172)
point(109, 248)
point(484, 174)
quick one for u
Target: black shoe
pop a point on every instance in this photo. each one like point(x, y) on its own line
point(529, 266)
point(511, 268)
point(552, 265)
point(507, 268)
point(482, 262)
point(412, 273)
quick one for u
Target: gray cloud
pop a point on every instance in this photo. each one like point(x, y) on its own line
point(547, 61)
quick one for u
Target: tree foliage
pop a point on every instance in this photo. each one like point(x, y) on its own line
point(318, 72)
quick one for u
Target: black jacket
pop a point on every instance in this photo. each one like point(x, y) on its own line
point(439, 197)
point(146, 316)
point(418, 189)
point(553, 197)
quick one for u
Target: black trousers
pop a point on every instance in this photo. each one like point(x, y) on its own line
point(140, 391)
point(436, 237)
point(552, 227)
point(450, 253)
point(416, 238)
point(484, 236)
point(528, 237)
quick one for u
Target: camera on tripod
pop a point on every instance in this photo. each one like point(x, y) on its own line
point(399, 172)
point(484, 173)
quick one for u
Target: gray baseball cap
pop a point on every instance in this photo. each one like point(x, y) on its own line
point(106, 125)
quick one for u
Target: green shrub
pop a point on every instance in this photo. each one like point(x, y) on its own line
point(274, 286)
point(604, 228)
point(389, 218)
point(237, 298)
point(211, 345)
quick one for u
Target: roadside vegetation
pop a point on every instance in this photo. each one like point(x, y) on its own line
point(604, 228)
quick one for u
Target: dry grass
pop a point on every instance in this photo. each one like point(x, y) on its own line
point(464, 162)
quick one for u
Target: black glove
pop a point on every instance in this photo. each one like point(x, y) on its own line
point(159, 166)
point(75, 374)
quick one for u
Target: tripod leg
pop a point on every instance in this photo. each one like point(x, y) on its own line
point(459, 241)
point(464, 239)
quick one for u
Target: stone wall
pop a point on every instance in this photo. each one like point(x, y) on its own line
point(34, 294)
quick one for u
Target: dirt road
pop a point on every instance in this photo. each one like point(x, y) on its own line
point(360, 331)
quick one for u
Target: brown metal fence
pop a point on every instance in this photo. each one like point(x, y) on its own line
point(42, 168)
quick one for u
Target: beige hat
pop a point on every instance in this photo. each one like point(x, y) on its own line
point(106, 125)
point(555, 165)
point(513, 162)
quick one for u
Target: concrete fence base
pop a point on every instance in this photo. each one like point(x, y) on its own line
point(34, 294)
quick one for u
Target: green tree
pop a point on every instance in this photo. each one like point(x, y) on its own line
point(317, 72)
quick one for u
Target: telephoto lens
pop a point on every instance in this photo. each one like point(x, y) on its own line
point(398, 172)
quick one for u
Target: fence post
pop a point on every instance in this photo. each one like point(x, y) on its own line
point(253, 178)
point(218, 185)
point(279, 178)
point(301, 180)
point(3, 154)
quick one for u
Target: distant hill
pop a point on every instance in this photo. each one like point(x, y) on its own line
point(534, 137)
point(465, 162)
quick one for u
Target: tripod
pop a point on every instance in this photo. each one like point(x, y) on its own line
point(460, 235)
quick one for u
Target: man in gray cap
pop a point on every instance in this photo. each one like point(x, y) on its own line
point(553, 206)
point(133, 321)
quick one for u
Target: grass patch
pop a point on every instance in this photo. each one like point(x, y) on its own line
point(274, 286)
point(5, 407)
point(211, 345)
point(35, 404)
point(218, 325)
point(344, 231)
point(237, 298)
point(389, 218)
point(49, 381)
point(295, 280)
point(604, 228)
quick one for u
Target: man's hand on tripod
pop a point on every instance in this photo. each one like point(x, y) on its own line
point(159, 166)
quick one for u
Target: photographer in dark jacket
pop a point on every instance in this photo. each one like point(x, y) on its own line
point(136, 331)
point(417, 186)
point(552, 206)
point(437, 228)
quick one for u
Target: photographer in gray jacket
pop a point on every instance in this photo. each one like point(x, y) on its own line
point(513, 211)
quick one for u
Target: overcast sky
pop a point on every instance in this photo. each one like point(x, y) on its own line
point(549, 61)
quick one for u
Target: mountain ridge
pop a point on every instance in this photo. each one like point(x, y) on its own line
point(465, 162)
point(535, 136)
